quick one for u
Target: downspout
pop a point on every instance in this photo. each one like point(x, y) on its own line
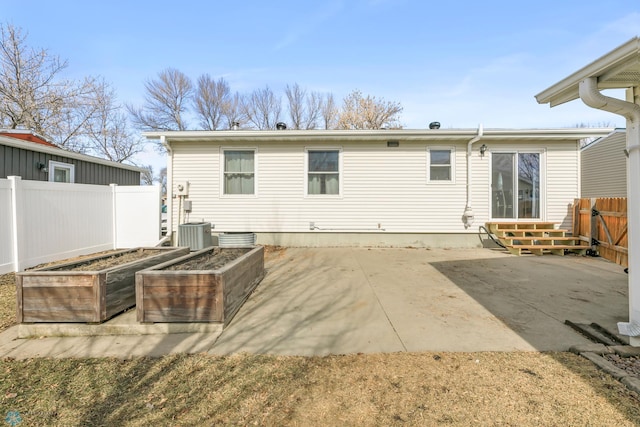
point(591, 96)
point(467, 216)
point(167, 146)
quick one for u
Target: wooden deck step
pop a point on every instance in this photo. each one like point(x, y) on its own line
point(536, 237)
point(533, 225)
point(542, 249)
point(534, 240)
point(543, 238)
point(524, 233)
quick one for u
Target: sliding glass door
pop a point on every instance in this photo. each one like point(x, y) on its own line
point(515, 185)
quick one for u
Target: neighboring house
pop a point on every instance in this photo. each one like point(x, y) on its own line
point(32, 157)
point(604, 166)
point(427, 188)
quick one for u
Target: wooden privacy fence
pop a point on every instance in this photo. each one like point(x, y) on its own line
point(602, 223)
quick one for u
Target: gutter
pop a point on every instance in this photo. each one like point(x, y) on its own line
point(367, 136)
point(467, 216)
point(590, 95)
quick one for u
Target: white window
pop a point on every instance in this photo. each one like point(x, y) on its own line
point(239, 173)
point(441, 164)
point(61, 172)
point(323, 172)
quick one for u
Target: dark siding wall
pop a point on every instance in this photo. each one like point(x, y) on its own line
point(20, 162)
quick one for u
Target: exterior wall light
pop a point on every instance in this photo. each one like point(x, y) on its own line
point(483, 149)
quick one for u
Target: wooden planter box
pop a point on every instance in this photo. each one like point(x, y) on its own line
point(165, 295)
point(60, 294)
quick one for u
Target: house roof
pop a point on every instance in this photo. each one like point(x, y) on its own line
point(55, 151)
point(324, 136)
point(27, 135)
point(617, 136)
point(618, 69)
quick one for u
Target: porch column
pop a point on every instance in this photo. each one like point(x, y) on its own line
point(633, 215)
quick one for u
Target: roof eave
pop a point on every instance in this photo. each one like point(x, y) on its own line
point(18, 143)
point(323, 136)
point(567, 89)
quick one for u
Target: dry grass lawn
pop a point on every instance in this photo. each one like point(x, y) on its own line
point(7, 301)
point(401, 389)
point(504, 389)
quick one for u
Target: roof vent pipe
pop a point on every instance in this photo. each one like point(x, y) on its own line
point(235, 125)
point(434, 125)
point(281, 126)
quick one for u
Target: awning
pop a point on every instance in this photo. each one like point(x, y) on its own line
point(618, 69)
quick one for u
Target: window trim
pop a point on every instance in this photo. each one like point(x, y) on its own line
point(255, 172)
point(452, 165)
point(306, 172)
point(53, 165)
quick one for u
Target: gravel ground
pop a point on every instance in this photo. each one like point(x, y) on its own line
point(630, 365)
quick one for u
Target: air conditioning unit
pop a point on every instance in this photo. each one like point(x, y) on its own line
point(195, 235)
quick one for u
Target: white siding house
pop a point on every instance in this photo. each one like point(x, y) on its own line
point(604, 166)
point(421, 188)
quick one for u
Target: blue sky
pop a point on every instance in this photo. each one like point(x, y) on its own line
point(460, 63)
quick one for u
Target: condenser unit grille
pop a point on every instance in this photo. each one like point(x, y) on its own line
point(195, 235)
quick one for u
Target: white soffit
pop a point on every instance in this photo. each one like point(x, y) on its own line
point(618, 69)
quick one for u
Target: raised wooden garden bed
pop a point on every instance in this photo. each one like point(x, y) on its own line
point(90, 290)
point(206, 286)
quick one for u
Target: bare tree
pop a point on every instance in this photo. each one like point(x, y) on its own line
point(210, 101)
point(107, 131)
point(68, 127)
point(329, 112)
point(146, 177)
point(359, 112)
point(80, 116)
point(34, 97)
point(166, 102)
point(262, 108)
point(314, 110)
point(295, 97)
point(234, 112)
point(304, 109)
point(162, 180)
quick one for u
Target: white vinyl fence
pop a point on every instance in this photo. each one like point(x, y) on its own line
point(47, 221)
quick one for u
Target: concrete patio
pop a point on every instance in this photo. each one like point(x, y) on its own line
point(317, 301)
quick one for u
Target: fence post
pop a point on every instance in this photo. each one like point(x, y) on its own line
point(575, 228)
point(114, 189)
point(593, 229)
point(17, 223)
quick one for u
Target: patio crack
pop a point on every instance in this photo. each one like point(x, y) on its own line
point(404, 347)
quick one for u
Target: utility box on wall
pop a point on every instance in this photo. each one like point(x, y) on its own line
point(195, 235)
